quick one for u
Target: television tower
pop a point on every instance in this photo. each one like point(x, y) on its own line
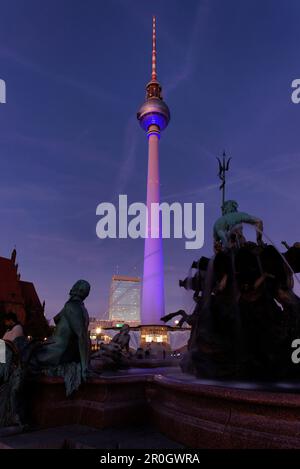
point(154, 116)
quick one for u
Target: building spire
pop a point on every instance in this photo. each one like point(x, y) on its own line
point(153, 88)
point(153, 75)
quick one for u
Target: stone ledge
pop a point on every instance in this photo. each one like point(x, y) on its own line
point(194, 414)
point(203, 416)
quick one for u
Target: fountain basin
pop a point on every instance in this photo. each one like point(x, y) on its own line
point(196, 413)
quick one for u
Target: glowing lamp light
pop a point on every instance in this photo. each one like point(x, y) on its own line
point(153, 119)
point(98, 330)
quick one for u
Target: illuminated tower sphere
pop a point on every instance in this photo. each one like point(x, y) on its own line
point(154, 116)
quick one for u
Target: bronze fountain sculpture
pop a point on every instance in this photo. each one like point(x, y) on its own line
point(65, 354)
point(246, 313)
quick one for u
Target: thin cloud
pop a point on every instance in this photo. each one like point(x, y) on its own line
point(87, 88)
point(129, 157)
point(28, 191)
point(190, 61)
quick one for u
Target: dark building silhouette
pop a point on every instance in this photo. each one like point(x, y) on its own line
point(21, 298)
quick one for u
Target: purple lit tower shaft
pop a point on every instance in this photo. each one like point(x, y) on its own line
point(153, 302)
point(154, 117)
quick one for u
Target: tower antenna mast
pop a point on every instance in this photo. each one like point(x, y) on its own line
point(154, 74)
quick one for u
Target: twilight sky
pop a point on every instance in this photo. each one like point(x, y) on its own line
point(69, 139)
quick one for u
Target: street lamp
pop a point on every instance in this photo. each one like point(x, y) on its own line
point(98, 332)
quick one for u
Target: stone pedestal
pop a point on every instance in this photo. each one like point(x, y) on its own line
point(99, 403)
point(204, 416)
point(186, 410)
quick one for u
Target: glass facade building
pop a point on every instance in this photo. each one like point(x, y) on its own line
point(124, 299)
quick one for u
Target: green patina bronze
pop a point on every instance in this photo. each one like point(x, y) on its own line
point(228, 230)
point(66, 353)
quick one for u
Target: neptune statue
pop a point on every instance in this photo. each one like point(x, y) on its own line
point(228, 228)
